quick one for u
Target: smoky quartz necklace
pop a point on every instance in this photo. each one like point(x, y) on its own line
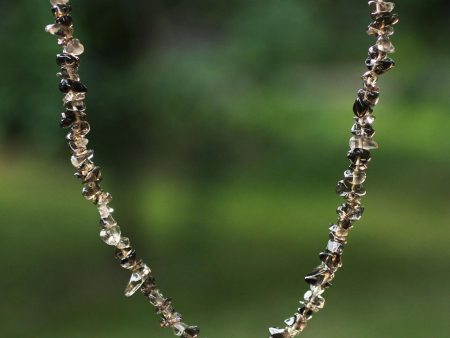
point(74, 118)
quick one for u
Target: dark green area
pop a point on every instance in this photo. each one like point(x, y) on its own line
point(222, 129)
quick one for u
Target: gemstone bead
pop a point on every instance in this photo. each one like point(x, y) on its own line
point(74, 47)
point(65, 20)
point(137, 278)
point(319, 276)
point(94, 176)
point(383, 66)
point(382, 6)
point(384, 44)
point(61, 9)
point(67, 60)
point(66, 85)
point(179, 328)
point(57, 29)
point(350, 212)
point(81, 128)
point(276, 332)
point(331, 260)
point(362, 142)
point(360, 108)
point(91, 191)
point(358, 154)
point(110, 235)
point(359, 130)
point(59, 2)
point(291, 321)
point(305, 312)
point(156, 298)
point(78, 159)
point(104, 210)
point(335, 247)
point(124, 243)
point(191, 332)
point(67, 119)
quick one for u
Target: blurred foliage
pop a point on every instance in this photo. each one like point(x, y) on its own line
point(222, 128)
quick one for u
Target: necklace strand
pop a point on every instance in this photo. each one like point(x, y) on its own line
point(350, 187)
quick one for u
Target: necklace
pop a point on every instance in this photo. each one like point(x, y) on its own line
point(350, 187)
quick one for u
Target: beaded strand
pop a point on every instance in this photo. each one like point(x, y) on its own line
point(350, 187)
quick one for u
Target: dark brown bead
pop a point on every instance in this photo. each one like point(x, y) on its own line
point(191, 332)
point(332, 260)
point(361, 108)
point(67, 119)
point(61, 9)
point(65, 20)
point(383, 66)
point(66, 85)
point(363, 155)
point(385, 19)
point(64, 59)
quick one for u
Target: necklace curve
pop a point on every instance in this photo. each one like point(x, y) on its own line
point(350, 187)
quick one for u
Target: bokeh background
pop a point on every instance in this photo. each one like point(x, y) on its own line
point(222, 128)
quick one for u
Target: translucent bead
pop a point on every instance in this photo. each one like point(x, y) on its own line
point(385, 45)
point(59, 2)
point(382, 6)
point(108, 221)
point(339, 232)
point(350, 212)
point(362, 142)
point(332, 260)
point(179, 328)
point(276, 332)
point(137, 278)
point(319, 276)
point(355, 177)
point(61, 9)
point(110, 235)
point(334, 247)
point(105, 211)
point(156, 298)
point(81, 128)
point(73, 96)
point(123, 243)
point(78, 160)
point(94, 175)
point(74, 47)
point(291, 321)
point(57, 29)
point(384, 30)
point(191, 332)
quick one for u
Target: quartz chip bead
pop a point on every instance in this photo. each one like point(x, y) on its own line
point(74, 47)
point(350, 212)
point(276, 332)
point(382, 6)
point(78, 159)
point(59, 2)
point(58, 30)
point(138, 277)
point(362, 142)
point(61, 10)
point(64, 20)
point(319, 276)
point(191, 332)
point(385, 45)
point(64, 60)
point(66, 85)
point(110, 235)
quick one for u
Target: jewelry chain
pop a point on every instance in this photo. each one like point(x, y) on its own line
point(350, 187)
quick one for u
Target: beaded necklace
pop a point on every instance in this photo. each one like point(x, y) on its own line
point(350, 187)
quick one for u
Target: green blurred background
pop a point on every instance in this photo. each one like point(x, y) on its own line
point(222, 127)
